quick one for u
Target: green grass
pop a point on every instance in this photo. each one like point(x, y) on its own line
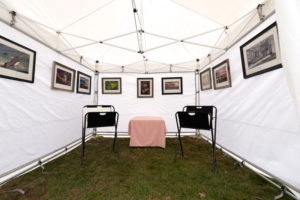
point(142, 173)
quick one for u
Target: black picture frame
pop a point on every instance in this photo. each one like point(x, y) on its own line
point(145, 88)
point(82, 86)
point(17, 62)
point(171, 85)
point(261, 53)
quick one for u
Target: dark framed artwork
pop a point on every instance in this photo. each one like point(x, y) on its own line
point(84, 83)
point(16, 61)
point(145, 87)
point(171, 85)
point(111, 85)
point(63, 77)
point(221, 75)
point(261, 54)
point(205, 80)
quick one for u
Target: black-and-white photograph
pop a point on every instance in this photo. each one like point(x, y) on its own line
point(262, 53)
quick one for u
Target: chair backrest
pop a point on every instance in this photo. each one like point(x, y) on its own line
point(101, 119)
point(195, 120)
point(96, 108)
point(201, 109)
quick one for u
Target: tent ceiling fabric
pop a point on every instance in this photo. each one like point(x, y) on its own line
point(174, 31)
point(224, 12)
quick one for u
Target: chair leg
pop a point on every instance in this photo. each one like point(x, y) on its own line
point(116, 143)
point(181, 146)
point(214, 150)
point(175, 156)
point(82, 145)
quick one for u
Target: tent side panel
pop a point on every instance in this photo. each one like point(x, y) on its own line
point(35, 119)
point(257, 117)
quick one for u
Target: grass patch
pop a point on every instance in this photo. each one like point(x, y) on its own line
point(142, 173)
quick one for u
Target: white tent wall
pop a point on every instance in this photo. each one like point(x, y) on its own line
point(257, 117)
point(288, 14)
point(35, 119)
point(165, 106)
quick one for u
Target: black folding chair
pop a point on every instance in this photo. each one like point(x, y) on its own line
point(197, 117)
point(95, 116)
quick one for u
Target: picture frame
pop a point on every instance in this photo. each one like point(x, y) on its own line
point(112, 85)
point(221, 75)
point(261, 53)
point(63, 77)
point(171, 85)
point(205, 80)
point(84, 83)
point(17, 62)
point(145, 88)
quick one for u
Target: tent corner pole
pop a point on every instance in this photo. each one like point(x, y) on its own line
point(96, 90)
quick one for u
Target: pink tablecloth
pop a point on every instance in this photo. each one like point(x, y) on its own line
point(147, 131)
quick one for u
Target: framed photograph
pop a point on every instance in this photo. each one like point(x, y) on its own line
point(16, 61)
point(205, 80)
point(83, 83)
point(171, 85)
point(221, 75)
point(145, 87)
point(111, 85)
point(261, 54)
point(63, 77)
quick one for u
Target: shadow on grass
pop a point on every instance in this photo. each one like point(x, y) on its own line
point(142, 173)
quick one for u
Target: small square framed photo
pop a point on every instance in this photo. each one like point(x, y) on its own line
point(171, 85)
point(83, 83)
point(221, 75)
point(63, 77)
point(145, 87)
point(111, 85)
point(205, 80)
point(16, 61)
point(261, 54)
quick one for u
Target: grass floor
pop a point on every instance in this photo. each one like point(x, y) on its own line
point(142, 173)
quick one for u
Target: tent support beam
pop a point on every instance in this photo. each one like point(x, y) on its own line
point(240, 38)
point(118, 47)
point(182, 40)
point(246, 163)
point(43, 43)
point(138, 30)
point(203, 45)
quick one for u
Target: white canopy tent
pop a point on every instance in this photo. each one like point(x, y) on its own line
point(159, 34)
point(151, 38)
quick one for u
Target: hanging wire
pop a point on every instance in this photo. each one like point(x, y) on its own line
point(33, 30)
point(68, 43)
point(85, 16)
point(193, 11)
point(246, 24)
point(3, 6)
point(187, 50)
point(20, 16)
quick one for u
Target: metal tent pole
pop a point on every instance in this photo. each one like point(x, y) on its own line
point(96, 84)
point(197, 92)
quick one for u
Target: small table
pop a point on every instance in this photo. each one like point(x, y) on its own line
point(147, 131)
